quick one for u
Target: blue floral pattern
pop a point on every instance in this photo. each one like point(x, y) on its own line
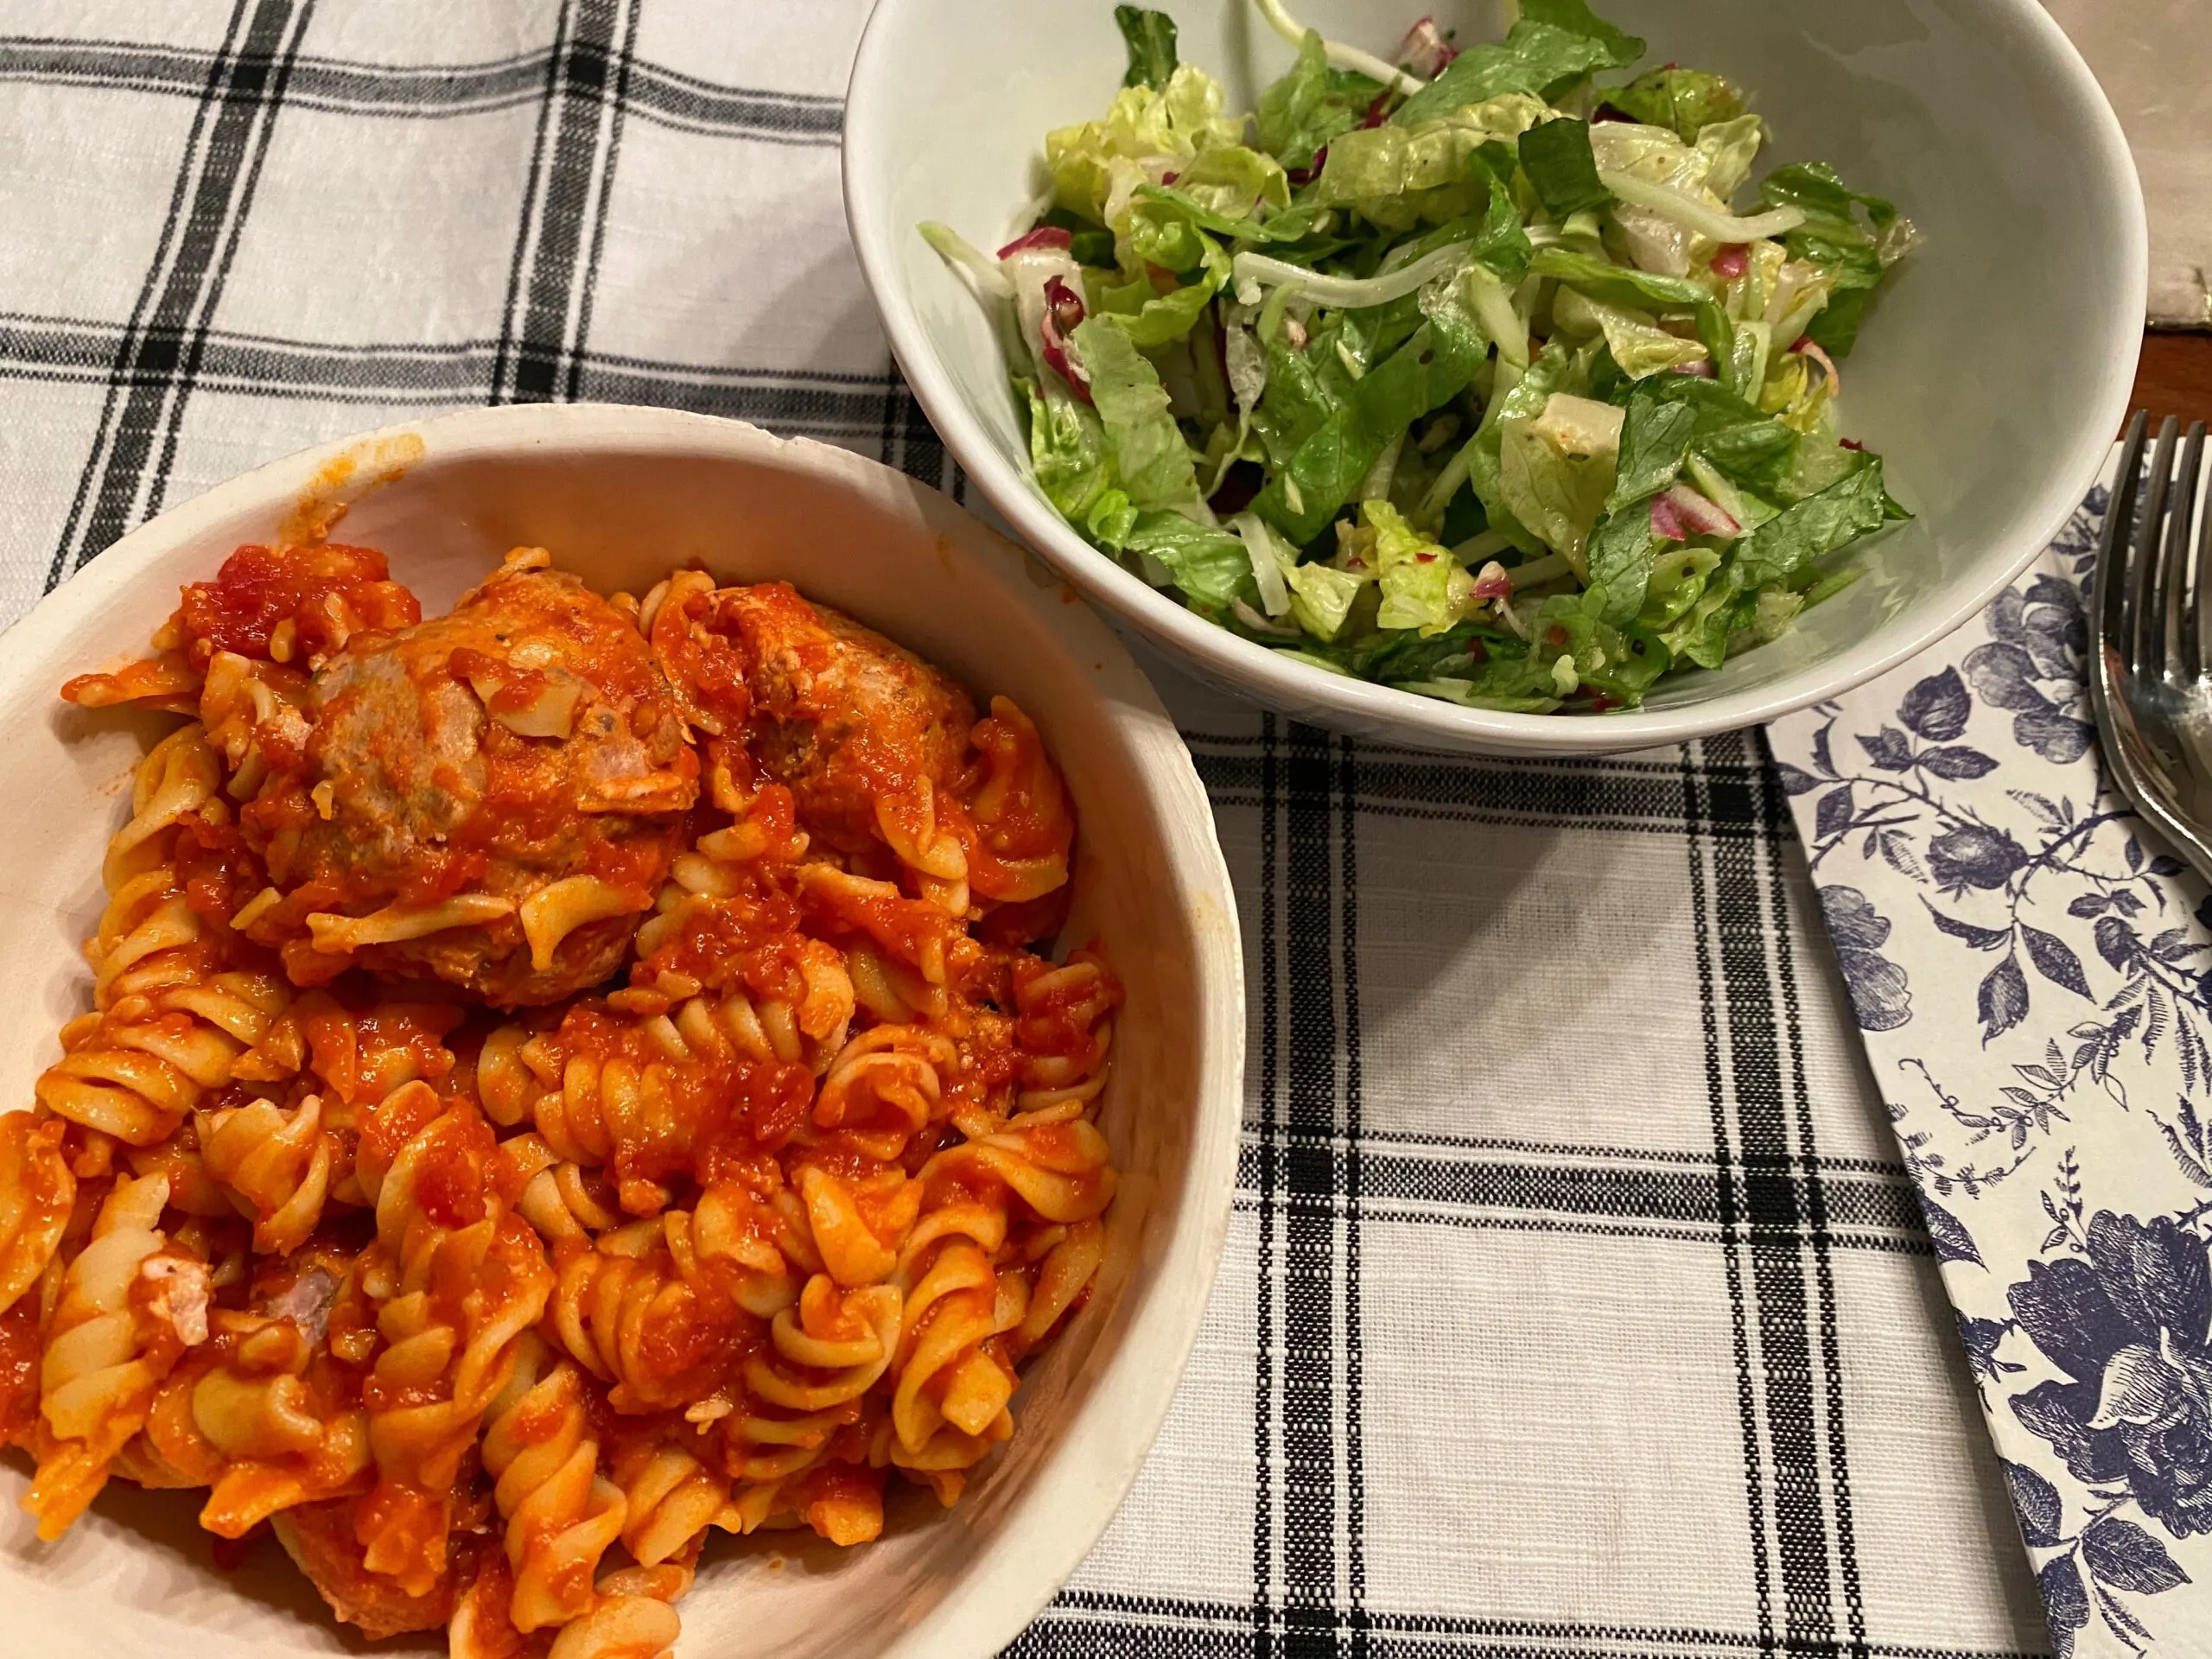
point(2031, 973)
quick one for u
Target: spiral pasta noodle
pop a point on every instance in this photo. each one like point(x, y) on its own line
point(499, 1308)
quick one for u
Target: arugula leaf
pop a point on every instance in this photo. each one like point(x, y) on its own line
point(1312, 103)
point(1688, 100)
point(1833, 237)
point(1534, 58)
point(1639, 290)
point(1151, 37)
point(1433, 366)
point(1793, 538)
point(1150, 458)
point(1210, 565)
point(1576, 18)
point(1556, 157)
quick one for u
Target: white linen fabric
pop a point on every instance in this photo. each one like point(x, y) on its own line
point(1576, 1301)
point(2031, 970)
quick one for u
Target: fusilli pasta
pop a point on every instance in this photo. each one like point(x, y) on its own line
point(353, 1199)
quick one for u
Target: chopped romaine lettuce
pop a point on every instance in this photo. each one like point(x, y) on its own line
point(1151, 464)
point(1688, 100)
point(1470, 387)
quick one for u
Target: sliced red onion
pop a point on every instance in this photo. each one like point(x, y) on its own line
point(1852, 443)
point(1063, 313)
point(1169, 178)
point(1425, 51)
point(1809, 347)
point(1311, 170)
point(1699, 514)
point(1494, 581)
point(1732, 261)
point(1045, 236)
point(1379, 111)
point(1702, 369)
point(1667, 520)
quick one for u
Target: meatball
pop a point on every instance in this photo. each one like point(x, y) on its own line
point(492, 797)
point(831, 709)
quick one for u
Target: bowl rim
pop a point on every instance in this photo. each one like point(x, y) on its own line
point(1101, 1447)
point(1254, 670)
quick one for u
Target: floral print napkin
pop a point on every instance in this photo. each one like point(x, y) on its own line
point(2031, 971)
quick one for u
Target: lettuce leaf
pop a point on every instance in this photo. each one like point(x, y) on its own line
point(1835, 238)
point(1617, 285)
point(1433, 366)
point(1555, 155)
point(1400, 176)
point(1312, 103)
point(1788, 543)
point(1096, 166)
point(1728, 149)
point(1321, 597)
point(1150, 461)
point(1688, 100)
point(1535, 57)
point(1230, 181)
point(1208, 564)
point(1556, 469)
point(1576, 18)
point(1423, 587)
point(1656, 437)
point(1151, 38)
point(1067, 448)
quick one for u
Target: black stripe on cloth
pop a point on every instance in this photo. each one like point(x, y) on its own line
point(1812, 1183)
point(158, 355)
point(419, 91)
point(1266, 1459)
point(1390, 1183)
point(1316, 1218)
point(1344, 789)
point(1729, 1205)
point(1767, 1150)
point(876, 407)
point(538, 330)
point(1087, 1624)
point(1589, 796)
point(603, 175)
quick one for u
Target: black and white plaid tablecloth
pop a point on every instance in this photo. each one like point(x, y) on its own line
point(1575, 1303)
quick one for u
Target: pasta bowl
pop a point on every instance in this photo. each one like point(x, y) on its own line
point(620, 496)
point(1991, 374)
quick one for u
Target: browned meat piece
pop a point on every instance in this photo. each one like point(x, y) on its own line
point(319, 1537)
point(832, 709)
point(491, 796)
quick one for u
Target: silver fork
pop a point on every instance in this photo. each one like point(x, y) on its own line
point(2150, 672)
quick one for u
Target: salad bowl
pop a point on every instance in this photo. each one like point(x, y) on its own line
point(1991, 372)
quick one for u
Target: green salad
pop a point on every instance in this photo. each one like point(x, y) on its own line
point(1483, 372)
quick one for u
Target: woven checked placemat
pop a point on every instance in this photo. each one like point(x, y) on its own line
point(1575, 1302)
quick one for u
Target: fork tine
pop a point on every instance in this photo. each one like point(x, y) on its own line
point(2178, 626)
point(2146, 599)
point(2119, 533)
point(2198, 623)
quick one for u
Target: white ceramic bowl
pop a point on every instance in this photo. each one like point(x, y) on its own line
point(620, 495)
point(1992, 375)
